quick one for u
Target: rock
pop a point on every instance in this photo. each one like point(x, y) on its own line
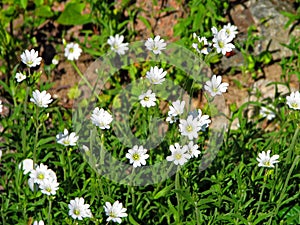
point(266, 16)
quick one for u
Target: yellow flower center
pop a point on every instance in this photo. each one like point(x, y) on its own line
point(189, 128)
point(221, 44)
point(294, 105)
point(76, 212)
point(146, 98)
point(178, 156)
point(40, 176)
point(71, 50)
point(66, 142)
point(136, 156)
point(112, 214)
point(267, 163)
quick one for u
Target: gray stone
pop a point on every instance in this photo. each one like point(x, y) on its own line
point(270, 23)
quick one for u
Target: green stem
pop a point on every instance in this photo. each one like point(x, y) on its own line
point(36, 134)
point(261, 193)
point(132, 188)
point(292, 146)
point(70, 163)
point(83, 78)
point(177, 187)
point(26, 98)
point(197, 214)
point(49, 211)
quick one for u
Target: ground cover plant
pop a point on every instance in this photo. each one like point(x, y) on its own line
point(148, 138)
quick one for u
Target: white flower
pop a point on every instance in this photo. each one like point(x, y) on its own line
point(214, 30)
point(101, 118)
point(54, 61)
point(117, 45)
point(230, 31)
point(31, 184)
point(192, 149)
point(115, 211)
point(20, 77)
point(265, 112)
point(155, 45)
point(176, 109)
point(67, 139)
point(72, 51)
point(40, 173)
point(30, 58)
point(202, 47)
point(41, 99)
point(26, 165)
point(215, 86)
point(189, 127)
point(1, 106)
point(293, 100)
point(204, 120)
point(41, 222)
point(52, 175)
point(147, 99)
point(49, 186)
point(265, 160)
point(156, 75)
point(179, 155)
point(137, 156)
point(79, 210)
point(221, 42)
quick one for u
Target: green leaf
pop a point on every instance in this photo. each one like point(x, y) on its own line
point(145, 21)
point(44, 11)
point(72, 15)
point(163, 192)
point(132, 221)
point(173, 210)
point(24, 4)
point(45, 140)
point(186, 195)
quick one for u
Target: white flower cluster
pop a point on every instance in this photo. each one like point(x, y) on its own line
point(67, 139)
point(101, 118)
point(192, 124)
point(181, 154)
point(42, 176)
point(221, 40)
point(155, 45)
point(190, 127)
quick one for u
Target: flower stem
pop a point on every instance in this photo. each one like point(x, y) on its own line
point(177, 187)
point(292, 146)
point(261, 193)
point(83, 78)
point(36, 134)
point(70, 163)
point(132, 188)
point(49, 211)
